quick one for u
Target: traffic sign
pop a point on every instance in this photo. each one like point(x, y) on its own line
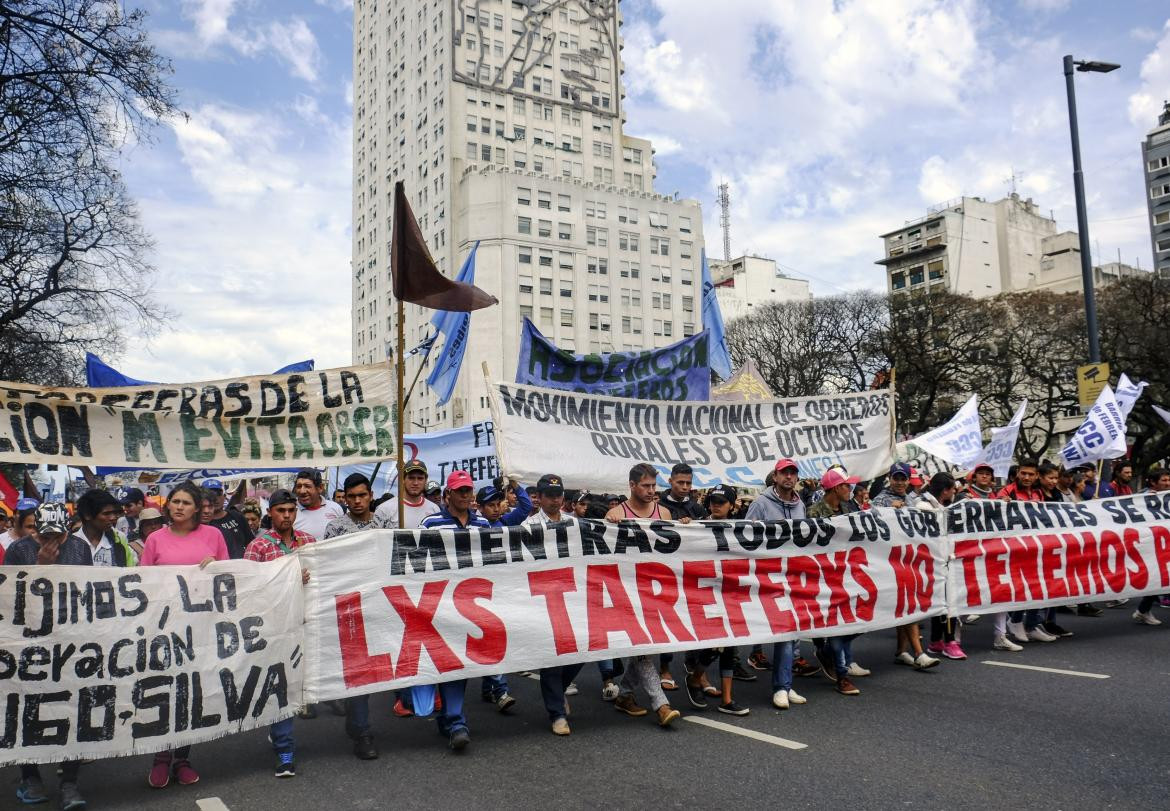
point(1091, 379)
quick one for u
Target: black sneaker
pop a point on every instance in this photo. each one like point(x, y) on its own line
point(759, 661)
point(364, 748)
point(741, 673)
point(71, 799)
point(459, 740)
point(505, 702)
point(31, 791)
point(731, 708)
point(1089, 610)
point(1056, 630)
point(697, 698)
point(285, 767)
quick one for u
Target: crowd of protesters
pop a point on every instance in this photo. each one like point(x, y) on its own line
point(198, 524)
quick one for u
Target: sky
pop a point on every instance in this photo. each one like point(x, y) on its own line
point(832, 121)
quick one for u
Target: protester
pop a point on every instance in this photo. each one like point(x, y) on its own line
point(679, 499)
point(282, 539)
point(982, 484)
point(414, 490)
point(150, 520)
point(434, 493)
point(314, 511)
point(22, 525)
point(133, 502)
point(237, 533)
point(99, 512)
point(944, 630)
point(581, 504)
point(493, 502)
point(186, 542)
point(251, 513)
point(780, 500)
point(896, 493)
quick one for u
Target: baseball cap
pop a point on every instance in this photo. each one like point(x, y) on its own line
point(834, 478)
point(900, 469)
point(414, 466)
point(582, 496)
point(51, 519)
point(488, 494)
point(459, 479)
point(784, 464)
point(432, 488)
point(982, 466)
point(27, 504)
point(211, 484)
point(550, 484)
point(132, 495)
point(150, 514)
point(723, 492)
point(281, 496)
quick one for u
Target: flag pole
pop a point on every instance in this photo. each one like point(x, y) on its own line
point(400, 370)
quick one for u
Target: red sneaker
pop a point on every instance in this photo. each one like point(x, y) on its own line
point(401, 710)
point(160, 772)
point(185, 774)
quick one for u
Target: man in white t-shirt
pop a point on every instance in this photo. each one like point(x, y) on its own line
point(417, 505)
point(314, 511)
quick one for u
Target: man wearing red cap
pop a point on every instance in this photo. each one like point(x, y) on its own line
point(457, 514)
point(781, 502)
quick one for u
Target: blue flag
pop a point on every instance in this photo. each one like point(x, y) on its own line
point(101, 375)
point(719, 356)
point(455, 327)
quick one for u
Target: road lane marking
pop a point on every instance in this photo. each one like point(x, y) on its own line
point(211, 804)
point(1047, 669)
point(747, 733)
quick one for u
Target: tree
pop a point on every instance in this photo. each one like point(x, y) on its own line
point(79, 79)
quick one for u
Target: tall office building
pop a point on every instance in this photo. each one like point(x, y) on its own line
point(505, 118)
point(1156, 153)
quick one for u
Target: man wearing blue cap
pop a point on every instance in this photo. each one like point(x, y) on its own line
point(230, 521)
point(895, 493)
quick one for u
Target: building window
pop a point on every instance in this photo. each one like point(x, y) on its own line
point(684, 224)
point(688, 330)
point(485, 153)
point(526, 283)
point(546, 287)
point(1159, 163)
point(660, 246)
point(898, 280)
point(566, 288)
point(566, 260)
point(546, 317)
point(544, 228)
point(544, 199)
point(526, 311)
point(545, 258)
point(524, 255)
point(564, 202)
point(472, 151)
point(935, 269)
point(916, 275)
point(566, 318)
point(688, 304)
point(1163, 245)
point(1162, 217)
point(523, 196)
point(564, 231)
point(524, 225)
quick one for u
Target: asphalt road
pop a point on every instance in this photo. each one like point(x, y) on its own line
point(963, 735)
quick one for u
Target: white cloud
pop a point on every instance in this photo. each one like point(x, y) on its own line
point(295, 44)
point(1146, 103)
point(291, 42)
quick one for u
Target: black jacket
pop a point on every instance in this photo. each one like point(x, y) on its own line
point(690, 508)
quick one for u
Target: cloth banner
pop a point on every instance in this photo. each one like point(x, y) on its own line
point(471, 448)
point(745, 386)
point(315, 418)
point(1000, 450)
point(98, 662)
point(1101, 435)
point(388, 609)
point(1128, 393)
point(592, 442)
point(100, 374)
point(676, 372)
point(959, 439)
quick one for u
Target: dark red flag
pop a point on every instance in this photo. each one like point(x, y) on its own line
point(416, 279)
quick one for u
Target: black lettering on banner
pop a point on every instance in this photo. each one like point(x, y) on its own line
point(102, 697)
point(38, 731)
point(425, 553)
point(147, 699)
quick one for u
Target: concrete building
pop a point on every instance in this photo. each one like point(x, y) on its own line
point(505, 121)
point(979, 248)
point(1156, 154)
point(750, 281)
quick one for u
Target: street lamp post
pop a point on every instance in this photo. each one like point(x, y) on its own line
point(1079, 187)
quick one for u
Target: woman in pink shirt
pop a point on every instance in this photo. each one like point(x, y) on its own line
point(186, 542)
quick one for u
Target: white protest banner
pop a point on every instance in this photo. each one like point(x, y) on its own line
point(1000, 450)
point(592, 441)
point(1012, 555)
point(100, 662)
point(471, 448)
point(318, 418)
point(1101, 435)
point(389, 609)
point(1128, 393)
point(959, 439)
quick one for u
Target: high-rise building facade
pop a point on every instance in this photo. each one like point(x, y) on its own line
point(746, 282)
point(505, 118)
point(1156, 154)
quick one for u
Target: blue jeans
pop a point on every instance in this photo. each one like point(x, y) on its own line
point(782, 658)
point(282, 737)
point(610, 669)
point(492, 687)
point(452, 718)
point(357, 716)
point(841, 647)
point(553, 681)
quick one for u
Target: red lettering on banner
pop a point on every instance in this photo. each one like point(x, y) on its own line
point(357, 666)
point(490, 648)
point(1162, 553)
point(659, 606)
point(606, 619)
point(1024, 568)
point(420, 631)
point(804, 582)
point(1139, 577)
point(833, 573)
point(858, 560)
point(771, 592)
point(553, 586)
point(994, 550)
point(1082, 566)
point(735, 593)
point(699, 597)
point(966, 553)
point(1112, 556)
point(914, 578)
point(1050, 565)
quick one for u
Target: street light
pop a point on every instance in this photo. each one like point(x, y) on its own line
point(1079, 187)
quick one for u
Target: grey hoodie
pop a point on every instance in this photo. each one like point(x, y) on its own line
point(770, 507)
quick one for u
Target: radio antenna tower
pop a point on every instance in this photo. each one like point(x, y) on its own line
point(725, 219)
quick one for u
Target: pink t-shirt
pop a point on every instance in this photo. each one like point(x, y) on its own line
point(165, 548)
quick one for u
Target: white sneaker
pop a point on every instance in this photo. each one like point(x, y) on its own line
point(904, 658)
point(1016, 632)
point(571, 690)
point(1003, 643)
point(1038, 634)
point(856, 670)
point(922, 662)
point(1147, 618)
point(971, 619)
point(796, 698)
point(610, 692)
point(780, 699)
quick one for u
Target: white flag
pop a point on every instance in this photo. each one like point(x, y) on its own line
point(958, 440)
point(1101, 435)
point(1001, 449)
point(1163, 413)
point(1127, 394)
